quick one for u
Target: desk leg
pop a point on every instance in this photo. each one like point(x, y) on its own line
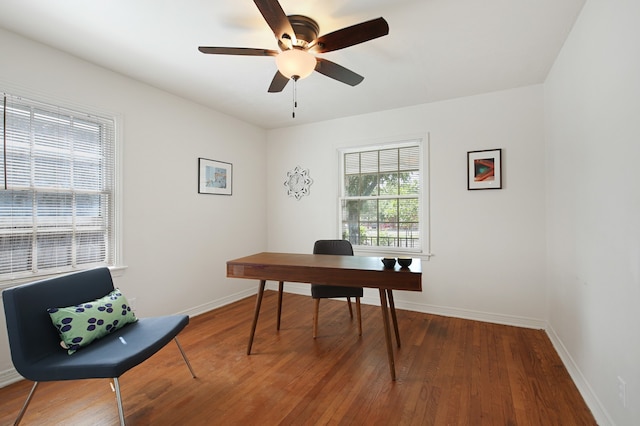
point(387, 332)
point(394, 318)
point(280, 288)
point(255, 315)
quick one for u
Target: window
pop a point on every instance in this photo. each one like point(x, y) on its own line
point(57, 189)
point(381, 199)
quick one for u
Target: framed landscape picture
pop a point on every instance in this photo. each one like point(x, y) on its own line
point(214, 177)
point(484, 169)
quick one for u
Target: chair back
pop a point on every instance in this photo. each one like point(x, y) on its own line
point(32, 336)
point(338, 247)
point(323, 291)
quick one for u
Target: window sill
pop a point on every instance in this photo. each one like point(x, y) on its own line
point(377, 252)
point(116, 271)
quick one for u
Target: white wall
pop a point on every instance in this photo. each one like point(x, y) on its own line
point(592, 114)
point(176, 241)
point(488, 245)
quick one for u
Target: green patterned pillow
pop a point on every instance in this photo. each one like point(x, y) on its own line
point(82, 324)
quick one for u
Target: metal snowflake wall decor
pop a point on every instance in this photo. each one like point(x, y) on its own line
point(298, 182)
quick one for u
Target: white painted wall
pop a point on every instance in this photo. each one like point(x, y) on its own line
point(592, 110)
point(176, 241)
point(488, 245)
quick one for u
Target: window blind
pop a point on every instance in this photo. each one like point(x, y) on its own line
point(57, 193)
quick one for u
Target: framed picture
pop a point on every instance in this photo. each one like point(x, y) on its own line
point(214, 177)
point(484, 169)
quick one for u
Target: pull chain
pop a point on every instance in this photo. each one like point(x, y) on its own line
point(295, 95)
point(4, 139)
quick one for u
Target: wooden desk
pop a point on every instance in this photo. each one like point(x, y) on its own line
point(348, 271)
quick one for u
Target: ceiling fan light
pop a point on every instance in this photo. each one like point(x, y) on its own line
point(296, 63)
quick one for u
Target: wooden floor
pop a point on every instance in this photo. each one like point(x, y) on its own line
point(450, 372)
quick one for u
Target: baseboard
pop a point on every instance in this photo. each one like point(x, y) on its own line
point(214, 304)
point(597, 409)
point(369, 299)
point(503, 319)
point(8, 377)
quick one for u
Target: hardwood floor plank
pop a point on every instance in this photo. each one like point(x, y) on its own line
point(450, 371)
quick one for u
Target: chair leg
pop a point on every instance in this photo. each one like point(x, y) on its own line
point(359, 313)
point(184, 356)
point(350, 310)
point(315, 317)
point(26, 404)
point(119, 401)
point(280, 290)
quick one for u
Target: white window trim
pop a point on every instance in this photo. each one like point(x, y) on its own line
point(422, 141)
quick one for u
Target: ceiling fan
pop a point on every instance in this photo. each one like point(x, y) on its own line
point(297, 37)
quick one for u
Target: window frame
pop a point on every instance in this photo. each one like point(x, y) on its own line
point(114, 225)
point(421, 141)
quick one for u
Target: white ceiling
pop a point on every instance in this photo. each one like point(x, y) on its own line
point(435, 50)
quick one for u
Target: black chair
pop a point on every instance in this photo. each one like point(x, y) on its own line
point(35, 344)
point(321, 291)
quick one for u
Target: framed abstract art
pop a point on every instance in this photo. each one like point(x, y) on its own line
point(484, 169)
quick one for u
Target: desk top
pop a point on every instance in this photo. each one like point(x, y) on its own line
point(347, 271)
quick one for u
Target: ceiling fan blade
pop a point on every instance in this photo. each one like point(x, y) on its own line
point(276, 19)
point(237, 51)
point(278, 83)
point(352, 35)
point(338, 72)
